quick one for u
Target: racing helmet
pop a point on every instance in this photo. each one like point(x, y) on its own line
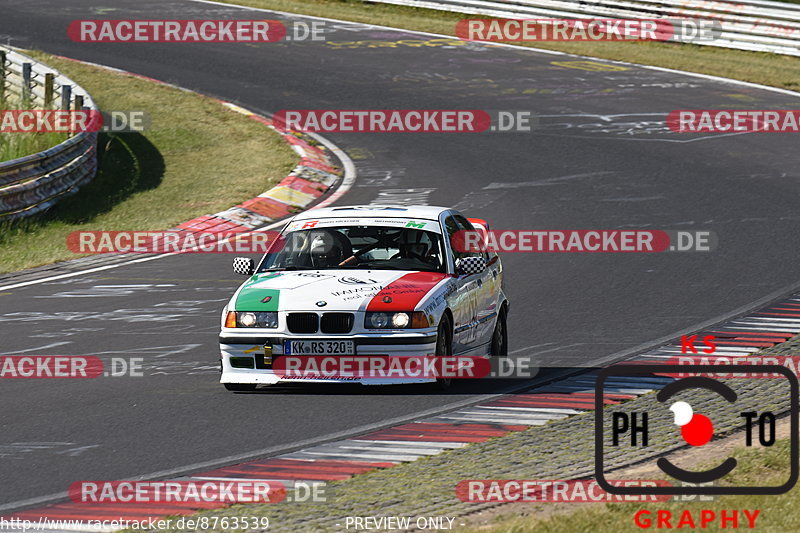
point(414, 243)
point(328, 248)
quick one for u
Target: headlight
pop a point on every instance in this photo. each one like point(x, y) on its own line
point(251, 319)
point(404, 320)
point(376, 320)
point(247, 320)
point(400, 320)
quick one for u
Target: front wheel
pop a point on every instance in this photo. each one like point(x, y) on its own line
point(444, 343)
point(240, 387)
point(500, 336)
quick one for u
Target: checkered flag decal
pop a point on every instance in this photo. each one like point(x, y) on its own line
point(243, 266)
point(472, 265)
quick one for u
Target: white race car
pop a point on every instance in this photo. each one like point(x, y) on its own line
point(363, 280)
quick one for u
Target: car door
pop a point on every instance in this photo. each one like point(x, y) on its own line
point(463, 301)
point(486, 292)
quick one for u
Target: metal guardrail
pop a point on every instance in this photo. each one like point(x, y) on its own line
point(755, 25)
point(34, 183)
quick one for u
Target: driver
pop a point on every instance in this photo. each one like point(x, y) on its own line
point(328, 249)
point(414, 244)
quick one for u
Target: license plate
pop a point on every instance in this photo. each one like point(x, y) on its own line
point(321, 347)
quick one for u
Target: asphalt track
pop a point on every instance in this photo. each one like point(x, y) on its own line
point(586, 169)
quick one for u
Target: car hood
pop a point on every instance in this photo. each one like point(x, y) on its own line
point(336, 290)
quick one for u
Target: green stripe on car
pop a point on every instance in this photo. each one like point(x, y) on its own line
point(256, 299)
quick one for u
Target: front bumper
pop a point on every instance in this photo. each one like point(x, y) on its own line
point(237, 348)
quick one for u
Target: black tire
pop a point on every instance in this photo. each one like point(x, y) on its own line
point(500, 336)
point(240, 387)
point(444, 346)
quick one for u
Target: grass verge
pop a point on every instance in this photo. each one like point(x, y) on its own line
point(757, 67)
point(19, 144)
point(16, 145)
point(196, 157)
point(756, 467)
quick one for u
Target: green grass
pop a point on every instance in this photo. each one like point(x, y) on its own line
point(190, 162)
point(15, 145)
point(756, 467)
point(757, 67)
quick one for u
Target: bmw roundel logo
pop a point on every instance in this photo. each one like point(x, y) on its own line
point(322, 303)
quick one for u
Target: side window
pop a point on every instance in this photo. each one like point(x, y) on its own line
point(451, 226)
point(465, 224)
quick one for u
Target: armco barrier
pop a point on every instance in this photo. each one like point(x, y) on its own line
point(31, 184)
point(755, 25)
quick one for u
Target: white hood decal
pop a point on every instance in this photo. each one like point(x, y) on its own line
point(341, 290)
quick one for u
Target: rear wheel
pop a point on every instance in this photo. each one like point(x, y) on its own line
point(240, 387)
point(500, 336)
point(444, 344)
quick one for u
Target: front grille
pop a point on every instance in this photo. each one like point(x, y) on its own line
point(302, 322)
point(337, 322)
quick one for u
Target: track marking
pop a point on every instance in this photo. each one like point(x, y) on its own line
point(513, 46)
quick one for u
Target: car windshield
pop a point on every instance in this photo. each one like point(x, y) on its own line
point(372, 247)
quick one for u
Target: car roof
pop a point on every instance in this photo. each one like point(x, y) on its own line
point(426, 212)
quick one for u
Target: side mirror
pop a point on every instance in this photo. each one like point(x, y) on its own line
point(243, 266)
point(466, 266)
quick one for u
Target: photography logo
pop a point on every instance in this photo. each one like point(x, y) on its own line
point(629, 431)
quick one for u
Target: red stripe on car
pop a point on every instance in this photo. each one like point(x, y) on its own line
point(404, 293)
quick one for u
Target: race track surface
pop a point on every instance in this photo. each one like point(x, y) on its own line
point(595, 164)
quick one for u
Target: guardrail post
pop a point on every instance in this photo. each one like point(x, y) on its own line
point(26, 84)
point(49, 83)
point(66, 96)
point(67, 168)
point(2, 75)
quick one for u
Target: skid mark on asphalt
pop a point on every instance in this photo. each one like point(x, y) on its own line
point(28, 450)
point(110, 291)
point(370, 176)
point(418, 196)
point(171, 311)
point(158, 360)
point(39, 348)
point(478, 199)
point(558, 180)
